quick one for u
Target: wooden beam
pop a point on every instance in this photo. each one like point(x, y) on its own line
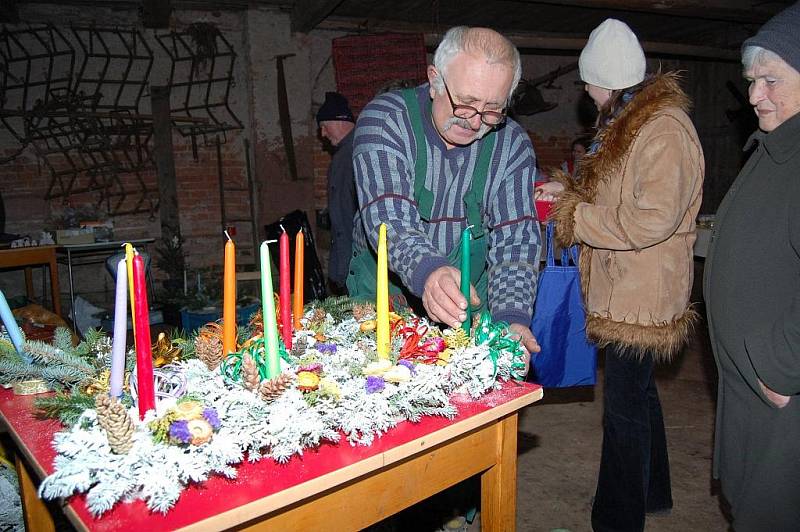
point(306, 14)
point(535, 41)
point(165, 163)
point(721, 10)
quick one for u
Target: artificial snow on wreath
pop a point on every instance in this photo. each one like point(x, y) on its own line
point(338, 388)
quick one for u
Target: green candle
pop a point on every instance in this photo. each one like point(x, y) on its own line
point(466, 235)
point(268, 314)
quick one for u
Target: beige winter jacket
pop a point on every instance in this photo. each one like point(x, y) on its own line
point(633, 210)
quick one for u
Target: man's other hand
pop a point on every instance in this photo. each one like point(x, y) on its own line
point(527, 341)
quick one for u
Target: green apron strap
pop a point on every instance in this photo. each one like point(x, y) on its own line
point(422, 195)
point(475, 193)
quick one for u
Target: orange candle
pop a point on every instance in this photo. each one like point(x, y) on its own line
point(297, 306)
point(229, 298)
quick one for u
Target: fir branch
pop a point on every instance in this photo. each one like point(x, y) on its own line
point(16, 370)
point(67, 408)
point(62, 339)
point(337, 306)
point(46, 354)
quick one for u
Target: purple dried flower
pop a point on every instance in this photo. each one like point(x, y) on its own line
point(179, 431)
point(409, 365)
point(212, 417)
point(326, 348)
point(375, 384)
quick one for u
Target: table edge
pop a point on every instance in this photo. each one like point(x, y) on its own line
point(271, 503)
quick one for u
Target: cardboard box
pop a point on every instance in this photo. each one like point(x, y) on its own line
point(74, 236)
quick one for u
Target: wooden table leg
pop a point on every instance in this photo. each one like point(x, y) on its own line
point(499, 482)
point(34, 512)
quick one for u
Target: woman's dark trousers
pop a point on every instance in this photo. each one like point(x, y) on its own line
point(634, 467)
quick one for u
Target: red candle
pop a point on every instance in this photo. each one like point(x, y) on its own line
point(285, 292)
point(144, 358)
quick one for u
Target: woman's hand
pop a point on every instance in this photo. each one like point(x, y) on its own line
point(548, 191)
point(774, 397)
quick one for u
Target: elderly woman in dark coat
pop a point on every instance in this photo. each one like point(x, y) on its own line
point(752, 291)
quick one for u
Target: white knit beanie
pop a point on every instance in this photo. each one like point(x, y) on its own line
point(612, 58)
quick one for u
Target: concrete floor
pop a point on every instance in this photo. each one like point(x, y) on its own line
point(560, 438)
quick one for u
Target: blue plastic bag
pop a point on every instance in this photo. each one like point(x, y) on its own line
point(559, 324)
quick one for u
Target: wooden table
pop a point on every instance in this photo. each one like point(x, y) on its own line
point(34, 256)
point(334, 487)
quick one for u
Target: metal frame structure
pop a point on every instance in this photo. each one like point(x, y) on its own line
point(205, 93)
point(86, 124)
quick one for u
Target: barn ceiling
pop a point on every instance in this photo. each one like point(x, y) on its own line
point(699, 28)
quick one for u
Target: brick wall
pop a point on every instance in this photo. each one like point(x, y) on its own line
point(551, 151)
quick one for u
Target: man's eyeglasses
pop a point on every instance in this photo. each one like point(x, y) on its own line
point(490, 118)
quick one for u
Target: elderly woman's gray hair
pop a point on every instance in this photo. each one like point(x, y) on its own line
point(496, 48)
point(752, 55)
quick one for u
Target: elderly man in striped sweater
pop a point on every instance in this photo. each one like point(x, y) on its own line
point(434, 160)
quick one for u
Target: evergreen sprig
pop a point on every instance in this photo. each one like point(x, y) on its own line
point(336, 306)
point(14, 369)
point(65, 407)
point(58, 367)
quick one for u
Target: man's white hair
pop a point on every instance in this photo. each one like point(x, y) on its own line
point(495, 47)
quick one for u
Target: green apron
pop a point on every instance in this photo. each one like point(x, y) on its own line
point(361, 281)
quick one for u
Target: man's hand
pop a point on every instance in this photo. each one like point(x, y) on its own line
point(442, 297)
point(527, 341)
point(775, 398)
point(548, 191)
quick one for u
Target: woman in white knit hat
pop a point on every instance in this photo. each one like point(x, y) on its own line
point(632, 209)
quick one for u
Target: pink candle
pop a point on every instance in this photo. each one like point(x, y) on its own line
point(144, 358)
point(285, 292)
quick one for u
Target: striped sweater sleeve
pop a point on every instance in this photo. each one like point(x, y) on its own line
point(514, 236)
point(383, 165)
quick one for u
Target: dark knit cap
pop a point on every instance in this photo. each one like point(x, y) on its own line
point(335, 108)
point(780, 35)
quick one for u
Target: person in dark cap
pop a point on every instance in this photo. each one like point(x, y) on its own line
point(336, 123)
point(752, 294)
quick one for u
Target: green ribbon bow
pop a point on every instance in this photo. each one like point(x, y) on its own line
point(232, 364)
point(495, 337)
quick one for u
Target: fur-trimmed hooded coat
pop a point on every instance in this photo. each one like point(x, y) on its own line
point(633, 211)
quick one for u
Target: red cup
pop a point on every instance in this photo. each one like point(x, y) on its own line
point(542, 207)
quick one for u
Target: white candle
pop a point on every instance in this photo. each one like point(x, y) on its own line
point(120, 330)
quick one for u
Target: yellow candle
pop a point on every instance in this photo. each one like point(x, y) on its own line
point(229, 298)
point(382, 302)
point(129, 265)
point(297, 302)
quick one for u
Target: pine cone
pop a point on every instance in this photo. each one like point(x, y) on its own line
point(208, 347)
point(300, 346)
point(114, 419)
point(272, 389)
point(363, 311)
point(250, 376)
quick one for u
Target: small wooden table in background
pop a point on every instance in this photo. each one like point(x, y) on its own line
point(34, 256)
point(333, 487)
